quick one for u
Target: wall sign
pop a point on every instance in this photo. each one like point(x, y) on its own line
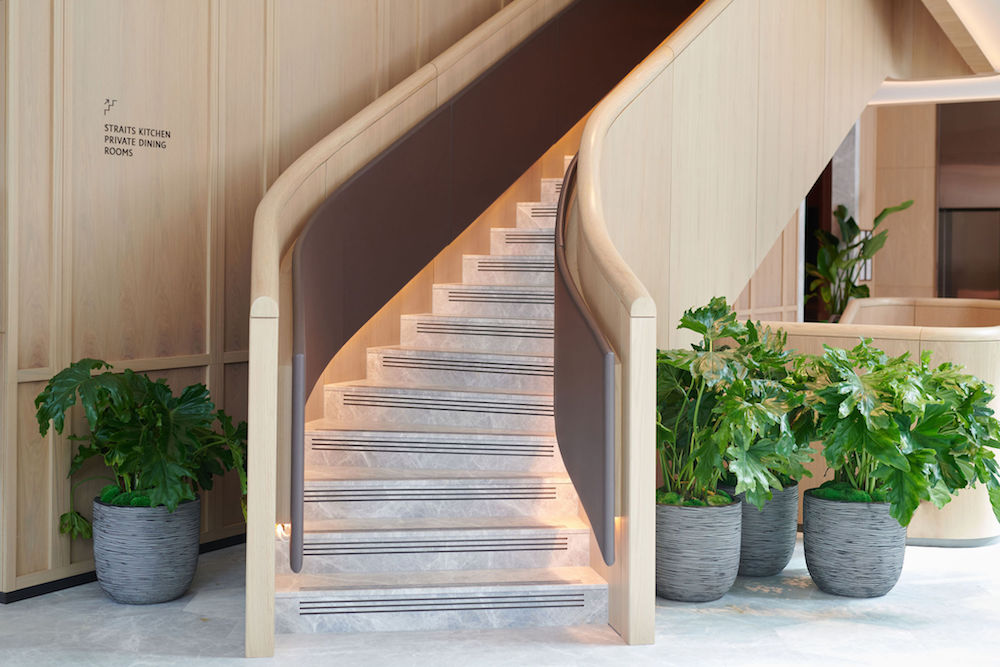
point(125, 140)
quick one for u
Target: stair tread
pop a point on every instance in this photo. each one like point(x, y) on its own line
point(416, 389)
point(327, 426)
point(320, 474)
point(540, 322)
point(447, 352)
point(493, 287)
point(305, 585)
point(548, 259)
point(439, 524)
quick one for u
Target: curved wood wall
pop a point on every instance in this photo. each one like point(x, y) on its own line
point(145, 260)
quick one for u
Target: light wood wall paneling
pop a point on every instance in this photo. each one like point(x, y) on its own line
point(323, 46)
point(242, 81)
point(34, 490)
point(439, 21)
point(33, 175)
point(711, 159)
point(791, 99)
point(158, 261)
point(906, 162)
point(859, 55)
point(774, 291)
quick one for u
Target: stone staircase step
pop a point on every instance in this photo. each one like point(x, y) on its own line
point(536, 215)
point(445, 600)
point(477, 334)
point(519, 241)
point(428, 448)
point(503, 301)
point(345, 493)
point(362, 403)
point(467, 370)
point(508, 269)
point(410, 545)
point(551, 189)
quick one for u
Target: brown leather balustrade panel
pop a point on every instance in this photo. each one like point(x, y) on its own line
point(376, 231)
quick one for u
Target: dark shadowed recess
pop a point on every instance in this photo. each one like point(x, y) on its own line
point(380, 228)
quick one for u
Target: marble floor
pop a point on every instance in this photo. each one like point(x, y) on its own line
point(945, 610)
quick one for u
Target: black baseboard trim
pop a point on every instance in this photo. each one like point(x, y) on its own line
point(88, 577)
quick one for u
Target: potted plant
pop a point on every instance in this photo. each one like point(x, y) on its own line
point(160, 449)
point(718, 409)
point(895, 432)
point(839, 260)
point(781, 446)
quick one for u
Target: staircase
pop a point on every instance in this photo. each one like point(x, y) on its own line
point(435, 494)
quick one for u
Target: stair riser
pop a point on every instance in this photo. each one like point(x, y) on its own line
point(464, 609)
point(541, 500)
point(361, 410)
point(508, 375)
point(472, 302)
point(538, 215)
point(551, 187)
point(513, 241)
point(474, 337)
point(479, 270)
point(418, 551)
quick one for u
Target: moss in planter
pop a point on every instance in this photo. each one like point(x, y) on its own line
point(844, 492)
point(716, 499)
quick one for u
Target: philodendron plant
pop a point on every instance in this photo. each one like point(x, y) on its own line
point(838, 261)
point(160, 448)
point(898, 430)
point(728, 405)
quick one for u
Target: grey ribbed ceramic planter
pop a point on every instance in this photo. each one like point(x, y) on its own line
point(768, 538)
point(852, 549)
point(145, 555)
point(697, 551)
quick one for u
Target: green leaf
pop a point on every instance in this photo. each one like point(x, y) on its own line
point(994, 492)
point(940, 495)
point(75, 525)
point(109, 493)
point(60, 393)
point(888, 211)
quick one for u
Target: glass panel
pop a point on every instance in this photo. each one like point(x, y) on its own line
point(969, 254)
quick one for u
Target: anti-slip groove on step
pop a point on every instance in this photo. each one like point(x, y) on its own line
point(357, 399)
point(424, 493)
point(471, 329)
point(480, 296)
point(529, 238)
point(401, 547)
point(513, 264)
point(439, 364)
point(443, 603)
point(432, 447)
